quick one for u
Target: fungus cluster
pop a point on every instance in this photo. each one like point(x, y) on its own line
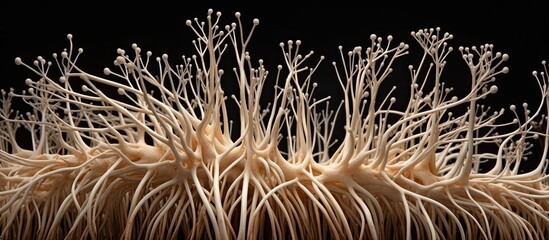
point(148, 150)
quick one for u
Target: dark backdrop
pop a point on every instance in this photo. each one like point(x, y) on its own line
point(29, 29)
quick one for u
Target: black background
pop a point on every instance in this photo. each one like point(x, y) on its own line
point(29, 29)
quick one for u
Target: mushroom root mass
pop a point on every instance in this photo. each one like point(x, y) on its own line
point(152, 150)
